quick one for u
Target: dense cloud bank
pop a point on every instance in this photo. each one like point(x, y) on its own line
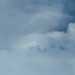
point(52, 53)
point(37, 37)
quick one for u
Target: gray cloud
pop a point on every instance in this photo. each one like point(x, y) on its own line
point(37, 37)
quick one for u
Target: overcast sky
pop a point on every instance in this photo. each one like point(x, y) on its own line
point(37, 37)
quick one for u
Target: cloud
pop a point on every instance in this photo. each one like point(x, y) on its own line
point(55, 41)
point(51, 53)
point(37, 37)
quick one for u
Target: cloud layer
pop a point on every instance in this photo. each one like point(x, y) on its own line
point(37, 37)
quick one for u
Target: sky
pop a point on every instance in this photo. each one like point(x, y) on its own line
point(37, 37)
